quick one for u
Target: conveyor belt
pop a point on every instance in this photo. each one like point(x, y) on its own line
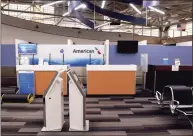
point(17, 98)
point(9, 90)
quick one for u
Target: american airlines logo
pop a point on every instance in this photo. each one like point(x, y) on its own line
point(87, 51)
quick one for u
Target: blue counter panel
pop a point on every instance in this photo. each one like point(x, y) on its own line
point(26, 82)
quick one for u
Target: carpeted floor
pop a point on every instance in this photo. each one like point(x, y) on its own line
point(109, 116)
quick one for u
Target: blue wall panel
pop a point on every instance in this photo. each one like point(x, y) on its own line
point(156, 55)
point(8, 55)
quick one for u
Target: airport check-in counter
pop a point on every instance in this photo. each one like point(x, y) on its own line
point(43, 75)
point(111, 79)
point(159, 76)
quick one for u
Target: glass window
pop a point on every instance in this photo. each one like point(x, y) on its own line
point(177, 33)
point(48, 9)
point(24, 7)
point(190, 32)
point(138, 31)
point(171, 33)
point(147, 31)
point(189, 28)
point(184, 33)
point(13, 6)
point(155, 32)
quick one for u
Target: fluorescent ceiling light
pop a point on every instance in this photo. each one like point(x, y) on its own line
point(68, 3)
point(52, 3)
point(136, 9)
point(81, 6)
point(157, 10)
point(103, 4)
point(65, 14)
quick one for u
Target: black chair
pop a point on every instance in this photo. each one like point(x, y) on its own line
point(181, 104)
point(164, 96)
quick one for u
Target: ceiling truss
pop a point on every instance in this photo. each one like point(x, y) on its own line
point(176, 10)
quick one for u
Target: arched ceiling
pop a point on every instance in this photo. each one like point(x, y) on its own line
point(175, 11)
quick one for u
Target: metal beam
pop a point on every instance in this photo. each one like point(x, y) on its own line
point(40, 13)
point(5, 5)
point(135, 20)
point(129, 28)
point(79, 16)
point(30, 12)
point(59, 21)
point(56, 15)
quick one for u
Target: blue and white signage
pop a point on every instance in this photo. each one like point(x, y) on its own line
point(27, 49)
point(60, 54)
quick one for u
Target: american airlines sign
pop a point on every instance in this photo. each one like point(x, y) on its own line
point(86, 51)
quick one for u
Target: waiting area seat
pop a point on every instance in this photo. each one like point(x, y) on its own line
point(179, 99)
point(165, 95)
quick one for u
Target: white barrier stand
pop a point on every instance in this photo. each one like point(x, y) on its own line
point(77, 105)
point(106, 44)
point(144, 67)
point(54, 107)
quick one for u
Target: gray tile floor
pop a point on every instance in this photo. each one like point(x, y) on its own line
point(109, 116)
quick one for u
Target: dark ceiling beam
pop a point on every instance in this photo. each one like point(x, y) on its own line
point(132, 19)
point(79, 16)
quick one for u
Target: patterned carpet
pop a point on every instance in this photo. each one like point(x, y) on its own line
point(109, 116)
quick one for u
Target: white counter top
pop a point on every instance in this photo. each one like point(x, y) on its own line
point(111, 67)
point(41, 67)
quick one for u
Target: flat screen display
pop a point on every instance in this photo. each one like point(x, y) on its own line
point(127, 47)
point(27, 48)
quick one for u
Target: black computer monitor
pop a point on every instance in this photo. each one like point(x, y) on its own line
point(127, 47)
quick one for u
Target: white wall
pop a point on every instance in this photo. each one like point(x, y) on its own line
point(188, 43)
point(9, 34)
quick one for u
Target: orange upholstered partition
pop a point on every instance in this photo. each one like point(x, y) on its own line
point(111, 82)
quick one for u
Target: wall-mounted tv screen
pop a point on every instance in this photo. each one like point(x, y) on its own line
point(27, 48)
point(127, 47)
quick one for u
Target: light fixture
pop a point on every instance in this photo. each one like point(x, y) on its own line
point(65, 14)
point(157, 10)
point(68, 3)
point(103, 4)
point(135, 8)
point(81, 6)
point(52, 3)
